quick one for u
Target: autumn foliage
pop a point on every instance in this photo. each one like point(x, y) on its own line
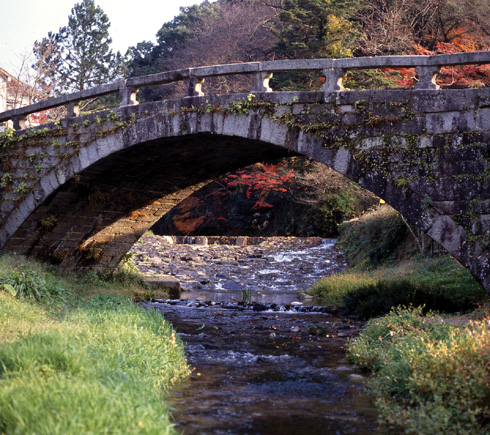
point(267, 179)
point(294, 196)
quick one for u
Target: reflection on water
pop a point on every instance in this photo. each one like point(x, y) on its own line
point(235, 296)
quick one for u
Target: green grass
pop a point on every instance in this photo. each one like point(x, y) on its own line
point(429, 376)
point(77, 358)
point(386, 272)
point(438, 283)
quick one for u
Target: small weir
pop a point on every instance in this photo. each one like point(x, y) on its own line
point(272, 366)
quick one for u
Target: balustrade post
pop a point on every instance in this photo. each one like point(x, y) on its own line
point(20, 122)
point(72, 109)
point(261, 82)
point(194, 86)
point(333, 79)
point(128, 96)
point(427, 77)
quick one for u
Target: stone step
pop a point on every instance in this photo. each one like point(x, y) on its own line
point(168, 283)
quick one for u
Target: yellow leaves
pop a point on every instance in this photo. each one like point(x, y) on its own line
point(336, 30)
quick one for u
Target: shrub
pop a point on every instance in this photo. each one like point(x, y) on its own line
point(373, 239)
point(378, 298)
point(429, 377)
point(32, 281)
point(438, 283)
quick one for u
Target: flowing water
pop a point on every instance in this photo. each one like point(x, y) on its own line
point(272, 273)
point(268, 369)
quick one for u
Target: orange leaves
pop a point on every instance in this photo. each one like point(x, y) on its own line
point(183, 220)
point(188, 226)
point(458, 40)
point(261, 203)
point(403, 77)
point(134, 215)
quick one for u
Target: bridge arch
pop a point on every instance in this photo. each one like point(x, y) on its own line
point(426, 152)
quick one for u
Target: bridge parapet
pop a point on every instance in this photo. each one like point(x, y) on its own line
point(333, 70)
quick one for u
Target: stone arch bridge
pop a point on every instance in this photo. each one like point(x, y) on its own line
point(81, 191)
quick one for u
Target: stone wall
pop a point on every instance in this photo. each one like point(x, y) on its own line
point(81, 192)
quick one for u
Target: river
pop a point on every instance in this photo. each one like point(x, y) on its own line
point(272, 366)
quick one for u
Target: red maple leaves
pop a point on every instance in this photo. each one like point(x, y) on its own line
point(266, 179)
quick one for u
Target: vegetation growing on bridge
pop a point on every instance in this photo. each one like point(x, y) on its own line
point(32, 151)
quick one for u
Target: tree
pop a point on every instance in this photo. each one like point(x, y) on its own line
point(47, 55)
point(396, 26)
point(313, 29)
point(228, 31)
point(316, 28)
point(231, 32)
point(84, 58)
point(148, 58)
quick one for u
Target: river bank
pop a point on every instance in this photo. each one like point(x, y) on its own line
point(77, 355)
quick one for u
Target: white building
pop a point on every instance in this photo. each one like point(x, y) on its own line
point(13, 93)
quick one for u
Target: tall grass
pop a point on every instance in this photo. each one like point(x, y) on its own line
point(81, 365)
point(376, 238)
point(438, 283)
point(386, 273)
point(429, 376)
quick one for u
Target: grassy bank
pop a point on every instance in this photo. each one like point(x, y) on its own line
point(388, 270)
point(76, 356)
point(429, 376)
point(437, 283)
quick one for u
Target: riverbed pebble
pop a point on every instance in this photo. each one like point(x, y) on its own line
point(279, 265)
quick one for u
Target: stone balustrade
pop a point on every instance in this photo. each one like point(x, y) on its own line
point(334, 70)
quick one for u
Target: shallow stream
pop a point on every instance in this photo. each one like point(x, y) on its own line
point(267, 369)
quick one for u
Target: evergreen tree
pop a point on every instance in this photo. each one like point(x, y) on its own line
point(313, 29)
point(84, 59)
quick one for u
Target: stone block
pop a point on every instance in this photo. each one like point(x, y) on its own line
point(241, 241)
point(446, 122)
point(205, 124)
point(445, 232)
point(342, 160)
point(229, 124)
point(171, 284)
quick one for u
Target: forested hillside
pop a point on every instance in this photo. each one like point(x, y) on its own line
point(230, 31)
point(294, 196)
